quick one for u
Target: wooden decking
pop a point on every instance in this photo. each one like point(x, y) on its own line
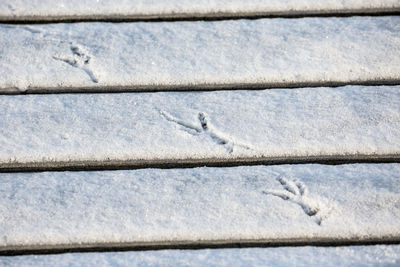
point(106, 127)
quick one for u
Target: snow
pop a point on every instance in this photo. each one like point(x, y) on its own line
point(286, 203)
point(343, 121)
point(289, 256)
point(154, 56)
point(158, 8)
point(352, 202)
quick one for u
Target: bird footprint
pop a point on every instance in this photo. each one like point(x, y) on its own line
point(207, 128)
point(297, 192)
point(79, 59)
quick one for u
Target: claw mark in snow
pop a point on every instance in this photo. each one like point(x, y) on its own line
point(25, 28)
point(11, 8)
point(193, 129)
point(31, 30)
point(206, 128)
point(79, 59)
point(297, 192)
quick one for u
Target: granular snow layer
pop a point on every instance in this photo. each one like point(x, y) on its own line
point(155, 56)
point(286, 202)
point(14, 9)
point(351, 120)
point(288, 256)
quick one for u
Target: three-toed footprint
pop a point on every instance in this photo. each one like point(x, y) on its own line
point(79, 59)
point(297, 192)
point(207, 128)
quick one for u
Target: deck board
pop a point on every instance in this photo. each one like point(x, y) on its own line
point(142, 130)
point(288, 204)
point(266, 53)
point(50, 10)
point(304, 256)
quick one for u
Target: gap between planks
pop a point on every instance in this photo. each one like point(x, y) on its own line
point(170, 17)
point(13, 167)
point(192, 87)
point(192, 245)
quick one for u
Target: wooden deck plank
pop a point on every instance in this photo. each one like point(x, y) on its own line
point(74, 131)
point(152, 208)
point(304, 256)
point(49, 10)
point(267, 53)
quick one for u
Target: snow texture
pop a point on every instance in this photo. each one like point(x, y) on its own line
point(349, 120)
point(160, 8)
point(204, 54)
point(351, 202)
point(290, 256)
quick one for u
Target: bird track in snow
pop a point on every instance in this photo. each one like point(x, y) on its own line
point(297, 192)
point(79, 59)
point(205, 127)
point(11, 8)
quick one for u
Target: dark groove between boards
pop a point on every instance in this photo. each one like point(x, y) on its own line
point(14, 167)
point(115, 18)
point(190, 245)
point(193, 88)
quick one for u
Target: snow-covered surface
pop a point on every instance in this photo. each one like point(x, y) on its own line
point(160, 8)
point(349, 120)
point(290, 256)
point(206, 54)
point(287, 202)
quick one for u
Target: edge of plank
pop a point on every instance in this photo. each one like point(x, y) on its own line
point(87, 165)
point(197, 244)
point(194, 87)
point(193, 16)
